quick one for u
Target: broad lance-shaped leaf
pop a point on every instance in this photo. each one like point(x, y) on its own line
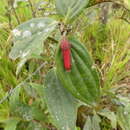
point(70, 8)
point(28, 39)
point(60, 103)
point(29, 36)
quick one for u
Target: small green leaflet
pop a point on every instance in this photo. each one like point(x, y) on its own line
point(70, 8)
point(61, 104)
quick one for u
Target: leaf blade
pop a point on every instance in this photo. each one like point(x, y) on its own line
point(70, 7)
point(60, 103)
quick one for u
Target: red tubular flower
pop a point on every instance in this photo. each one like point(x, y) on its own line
point(66, 52)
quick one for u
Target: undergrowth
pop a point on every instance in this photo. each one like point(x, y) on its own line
point(109, 45)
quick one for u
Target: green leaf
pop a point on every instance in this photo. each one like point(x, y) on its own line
point(11, 124)
point(92, 123)
point(60, 103)
point(14, 98)
point(37, 114)
point(28, 113)
point(16, 2)
point(88, 124)
point(20, 64)
point(70, 8)
point(123, 117)
point(95, 122)
point(28, 39)
point(35, 126)
point(39, 89)
point(109, 115)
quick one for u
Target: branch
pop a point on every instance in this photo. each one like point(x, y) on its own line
point(52, 39)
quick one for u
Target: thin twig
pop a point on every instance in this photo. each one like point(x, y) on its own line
point(16, 16)
point(52, 39)
point(31, 5)
point(9, 19)
point(8, 14)
point(11, 4)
